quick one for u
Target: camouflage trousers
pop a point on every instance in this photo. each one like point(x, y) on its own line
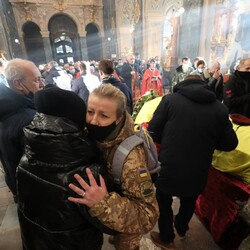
point(127, 241)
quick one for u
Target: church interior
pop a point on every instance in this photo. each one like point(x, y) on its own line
point(69, 31)
point(76, 30)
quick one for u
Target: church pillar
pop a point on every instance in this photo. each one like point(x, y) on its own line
point(153, 34)
point(47, 47)
point(83, 46)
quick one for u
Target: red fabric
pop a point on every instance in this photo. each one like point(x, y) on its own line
point(116, 76)
point(78, 74)
point(218, 207)
point(149, 83)
point(240, 119)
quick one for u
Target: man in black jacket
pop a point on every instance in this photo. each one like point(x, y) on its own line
point(106, 70)
point(237, 90)
point(132, 75)
point(16, 111)
point(189, 124)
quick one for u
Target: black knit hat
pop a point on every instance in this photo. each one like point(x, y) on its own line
point(61, 103)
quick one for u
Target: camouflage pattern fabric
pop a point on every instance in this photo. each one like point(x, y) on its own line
point(135, 212)
point(180, 75)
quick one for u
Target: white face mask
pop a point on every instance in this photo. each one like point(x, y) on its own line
point(200, 70)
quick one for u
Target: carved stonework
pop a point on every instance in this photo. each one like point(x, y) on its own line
point(136, 12)
point(156, 4)
point(61, 5)
point(126, 10)
point(26, 10)
point(223, 30)
point(92, 13)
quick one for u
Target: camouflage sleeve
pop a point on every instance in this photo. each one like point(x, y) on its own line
point(174, 79)
point(136, 211)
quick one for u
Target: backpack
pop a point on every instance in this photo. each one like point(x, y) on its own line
point(141, 136)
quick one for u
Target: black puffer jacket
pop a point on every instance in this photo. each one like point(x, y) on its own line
point(189, 124)
point(55, 150)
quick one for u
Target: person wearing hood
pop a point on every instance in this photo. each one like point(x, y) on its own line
point(189, 124)
point(16, 110)
point(236, 94)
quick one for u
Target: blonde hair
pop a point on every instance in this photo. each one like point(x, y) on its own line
point(242, 62)
point(110, 92)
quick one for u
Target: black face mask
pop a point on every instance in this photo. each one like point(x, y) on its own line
point(98, 133)
point(244, 75)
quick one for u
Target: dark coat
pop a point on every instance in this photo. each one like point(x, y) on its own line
point(59, 77)
point(16, 111)
point(126, 73)
point(79, 87)
point(54, 72)
point(189, 124)
point(236, 95)
point(55, 150)
point(123, 87)
point(216, 85)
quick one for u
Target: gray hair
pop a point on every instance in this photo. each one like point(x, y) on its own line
point(15, 70)
point(53, 64)
point(215, 64)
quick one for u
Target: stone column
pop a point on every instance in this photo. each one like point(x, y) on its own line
point(175, 21)
point(47, 46)
point(83, 46)
point(153, 34)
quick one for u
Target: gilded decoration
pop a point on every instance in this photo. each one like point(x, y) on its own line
point(136, 12)
point(92, 13)
point(26, 10)
point(61, 5)
point(224, 30)
point(127, 10)
point(156, 4)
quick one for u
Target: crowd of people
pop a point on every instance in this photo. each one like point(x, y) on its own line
point(60, 127)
